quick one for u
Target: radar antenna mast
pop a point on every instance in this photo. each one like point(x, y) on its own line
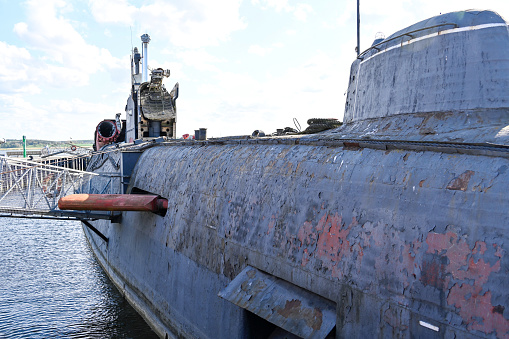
point(358, 49)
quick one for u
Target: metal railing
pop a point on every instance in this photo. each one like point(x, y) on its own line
point(33, 188)
point(406, 34)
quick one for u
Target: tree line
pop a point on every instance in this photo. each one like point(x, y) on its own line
point(35, 143)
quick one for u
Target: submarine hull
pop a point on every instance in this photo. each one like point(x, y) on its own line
point(391, 237)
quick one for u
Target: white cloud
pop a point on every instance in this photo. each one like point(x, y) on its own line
point(19, 117)
point(263, 51)
point(59, 118)
point(14, 70)
point(259, 50)
point(278, 5)
point(112, 11)
point(239, 104)
point(300, 10)
point(48, 31)
point(191, 24)
point(199, 59)
point(378, 16)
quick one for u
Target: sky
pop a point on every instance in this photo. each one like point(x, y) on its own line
point(242, 65)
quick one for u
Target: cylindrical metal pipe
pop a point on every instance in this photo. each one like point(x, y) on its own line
point(113, 202)
point(145, 38)
point(203, 134)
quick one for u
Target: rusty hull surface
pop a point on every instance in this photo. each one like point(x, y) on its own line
point(393, 237)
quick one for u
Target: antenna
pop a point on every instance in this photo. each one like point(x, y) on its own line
point(358, 29)
point(131, 28)
point(145, 38)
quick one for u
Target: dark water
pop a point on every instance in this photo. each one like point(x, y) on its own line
point(52, 287)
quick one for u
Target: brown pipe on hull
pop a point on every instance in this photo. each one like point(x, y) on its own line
point(113, 202)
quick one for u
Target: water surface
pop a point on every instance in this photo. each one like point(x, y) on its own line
point(52, 287)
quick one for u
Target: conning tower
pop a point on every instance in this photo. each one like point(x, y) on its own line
point(151, 111)
point(444, 75)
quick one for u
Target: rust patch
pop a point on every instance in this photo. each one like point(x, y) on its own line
point(251, 274)
point(460, 183)
point(421, 182)
point(393, 317)
point(351, 146)
point(253, 287)
point(293, 309)
point(468, 278)
point(433, 271)
point(427, 131)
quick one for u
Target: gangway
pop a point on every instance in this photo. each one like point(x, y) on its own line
point(30, 189)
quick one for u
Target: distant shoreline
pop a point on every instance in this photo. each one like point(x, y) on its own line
point(16, 144)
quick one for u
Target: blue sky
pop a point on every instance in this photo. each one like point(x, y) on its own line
point(241, 65)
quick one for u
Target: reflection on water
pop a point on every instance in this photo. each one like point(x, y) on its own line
point(51, 286)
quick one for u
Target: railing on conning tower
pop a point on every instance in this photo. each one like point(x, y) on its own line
point(32, 189)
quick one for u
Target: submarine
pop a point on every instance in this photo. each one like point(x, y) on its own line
point(394, 224)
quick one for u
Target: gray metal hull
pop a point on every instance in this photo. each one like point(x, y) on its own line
point(392, 237)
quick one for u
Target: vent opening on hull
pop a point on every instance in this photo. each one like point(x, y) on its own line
point(259, 328)
point(291, 309)
point(136, 190)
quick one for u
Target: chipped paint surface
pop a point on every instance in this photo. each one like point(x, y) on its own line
point(417, 246)
point(461, 182)
point(291, 308)
point(468, 274)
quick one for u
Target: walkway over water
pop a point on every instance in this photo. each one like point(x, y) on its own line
point(32, 189)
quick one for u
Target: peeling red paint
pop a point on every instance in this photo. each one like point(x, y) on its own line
point(305, 257)
point(469, 277)
point(397, 260)
point(306, 234)
point(332, 243)
point(480, 247)
point(327, 241)
point(444, 261)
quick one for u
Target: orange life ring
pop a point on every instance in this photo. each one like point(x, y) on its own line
point(51, 188)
